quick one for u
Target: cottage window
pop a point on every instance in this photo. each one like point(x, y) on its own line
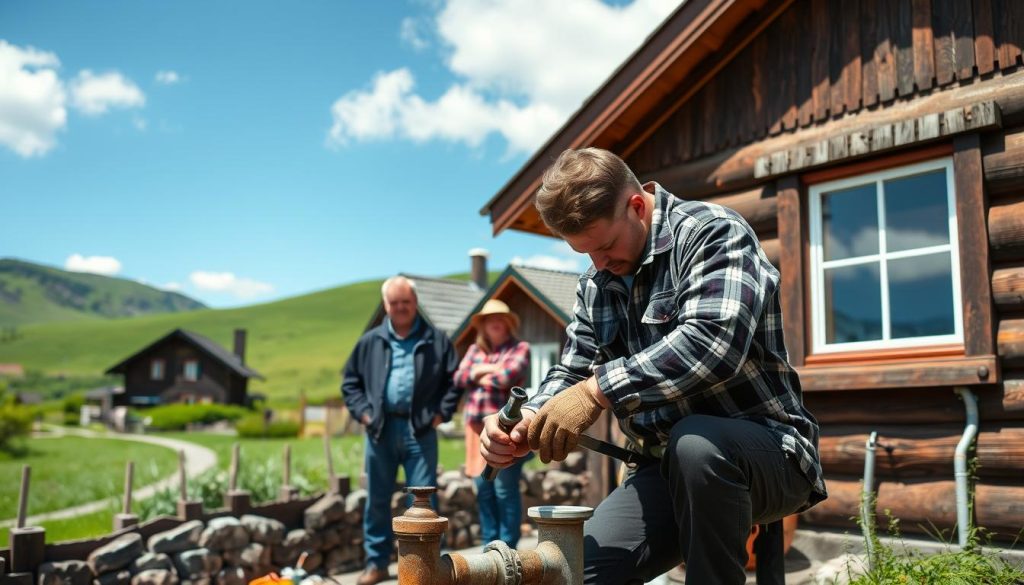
point(191, 370)
point(884, 260)
point(156, 369)
point(542, 357)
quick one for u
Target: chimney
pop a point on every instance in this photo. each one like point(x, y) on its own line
point(478, 267)
point(240, 344)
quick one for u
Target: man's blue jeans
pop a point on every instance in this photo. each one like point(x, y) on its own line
point(500, 504)
point(397, 446)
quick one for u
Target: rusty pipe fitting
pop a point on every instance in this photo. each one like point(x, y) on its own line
point(558, 559)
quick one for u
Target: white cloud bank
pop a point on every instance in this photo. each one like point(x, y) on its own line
point(94, 94)
point(227, 282)
point(105, 265)
point(523, 66)
point(32, 100)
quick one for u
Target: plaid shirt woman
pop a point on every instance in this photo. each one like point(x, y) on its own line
point(492, 366)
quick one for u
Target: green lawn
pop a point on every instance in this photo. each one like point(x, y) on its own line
point(68, 471)
point(299, 344)
point(87, 526)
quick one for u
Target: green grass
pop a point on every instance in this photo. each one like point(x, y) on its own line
point(299, 344)
point(69, 471)
point(87, 526)
point(309, 453)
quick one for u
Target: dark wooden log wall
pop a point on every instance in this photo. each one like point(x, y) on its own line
point(824, 59)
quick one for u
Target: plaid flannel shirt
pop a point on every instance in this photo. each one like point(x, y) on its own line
point(700, 333)
point(484, 399)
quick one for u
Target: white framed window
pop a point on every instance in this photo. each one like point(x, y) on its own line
point(884, 258)
point(542, 357)
point(156, 369)
point(191, 370)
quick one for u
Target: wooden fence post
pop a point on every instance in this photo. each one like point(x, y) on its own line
point(288, 492)
point(238, 501)
point(126, 518)
point(28, 543)
point(187, 509)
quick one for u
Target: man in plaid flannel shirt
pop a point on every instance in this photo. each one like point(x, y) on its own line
point(677, 328)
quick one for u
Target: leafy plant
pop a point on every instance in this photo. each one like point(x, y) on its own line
point(176, 417)
point(254, 426)
point(15, 422)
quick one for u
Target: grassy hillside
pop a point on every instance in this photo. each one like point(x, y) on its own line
point(297, 344)
point(33, 293)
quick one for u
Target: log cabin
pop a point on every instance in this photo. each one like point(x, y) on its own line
point(184, 366)
point(877, 149)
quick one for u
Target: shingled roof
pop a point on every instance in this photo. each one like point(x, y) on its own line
point(204, 344)
point(443, 302)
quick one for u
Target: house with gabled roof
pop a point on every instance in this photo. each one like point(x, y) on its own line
point(184, 366)
point(543, 299)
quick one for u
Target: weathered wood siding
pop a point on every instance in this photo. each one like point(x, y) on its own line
point(825, 59)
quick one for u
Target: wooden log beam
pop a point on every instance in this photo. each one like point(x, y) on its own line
point(921, 450)
point(921, 506)
point(1008, 289)
point(1010, 340)
point(916, 405)
point(772, 249)
point(733, 169)
point(1006, 229)
point(758, 206)
point(1003, 158)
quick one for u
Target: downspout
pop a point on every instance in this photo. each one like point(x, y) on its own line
point(963, 519)
point(867, 508)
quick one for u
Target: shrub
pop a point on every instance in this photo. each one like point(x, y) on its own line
point(254, 426)
point(176, 417)
point(15, 421)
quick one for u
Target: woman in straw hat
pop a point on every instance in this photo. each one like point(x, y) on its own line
point(492, 366)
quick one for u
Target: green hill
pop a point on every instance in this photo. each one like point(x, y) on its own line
point(298, 343)
point(32, 293)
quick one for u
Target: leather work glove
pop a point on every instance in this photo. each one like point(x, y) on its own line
point(556, 429)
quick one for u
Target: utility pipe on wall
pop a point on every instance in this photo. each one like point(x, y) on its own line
point(963, 519)
point(867, 508)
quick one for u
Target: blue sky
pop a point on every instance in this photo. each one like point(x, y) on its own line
point(243, 152)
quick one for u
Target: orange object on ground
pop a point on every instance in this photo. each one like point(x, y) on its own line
point(788, 531)
point(271, 579)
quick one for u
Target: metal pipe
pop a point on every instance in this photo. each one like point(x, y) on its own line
point(963, 518)
point(867, 508)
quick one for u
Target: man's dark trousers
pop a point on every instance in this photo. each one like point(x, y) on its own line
point(717, 478)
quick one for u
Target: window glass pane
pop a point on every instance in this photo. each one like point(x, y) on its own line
point(921, 296)
point(849, 222)
point(853, 304)
point(916, 211)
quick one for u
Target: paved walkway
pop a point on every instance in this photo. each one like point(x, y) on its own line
point(197, 460)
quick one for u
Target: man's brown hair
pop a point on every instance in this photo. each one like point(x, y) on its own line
point(583, 186)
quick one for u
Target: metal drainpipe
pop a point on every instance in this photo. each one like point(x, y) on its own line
point(867, 509)
point(963, 519)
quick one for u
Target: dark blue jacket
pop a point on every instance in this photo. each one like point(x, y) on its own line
point(365, 379)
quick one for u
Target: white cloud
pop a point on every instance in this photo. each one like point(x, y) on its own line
point(411, 34)
point(549, 262)
point(95, 94)
point(140, 123)
point(522, 67)
point(167, 77)
point(105, 265)
point(227, 282)
point(32, 100)
point(171, 286)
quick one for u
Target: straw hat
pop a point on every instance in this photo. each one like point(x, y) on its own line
point(496, 307)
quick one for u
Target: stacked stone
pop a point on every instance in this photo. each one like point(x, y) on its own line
point(560, 486)
point(457, 501)
point(226, 550)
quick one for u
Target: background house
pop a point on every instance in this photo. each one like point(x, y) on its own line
point(445, 302)
point(877, 149)
point(184, 366)
point(543, 299)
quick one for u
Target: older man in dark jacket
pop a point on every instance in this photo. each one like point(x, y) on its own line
point(398, 383)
